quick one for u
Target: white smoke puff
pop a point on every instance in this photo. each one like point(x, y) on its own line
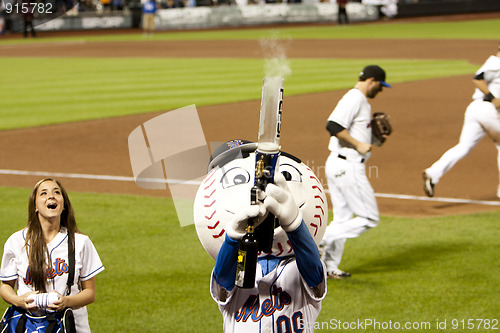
point(274, 50)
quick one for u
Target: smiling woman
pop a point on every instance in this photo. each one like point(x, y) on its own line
point(37, 259)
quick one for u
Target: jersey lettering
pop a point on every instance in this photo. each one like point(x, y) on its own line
point(297, 320)
point(295, 325)
point(58, 268)
point(252, 308)
point(283, 324)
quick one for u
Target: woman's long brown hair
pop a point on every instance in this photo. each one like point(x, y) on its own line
point(35, 243)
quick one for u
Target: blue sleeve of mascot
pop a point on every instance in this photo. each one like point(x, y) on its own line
point(307, 255)
point(225, 264)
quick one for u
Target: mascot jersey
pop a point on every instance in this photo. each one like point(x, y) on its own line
point(281, 301)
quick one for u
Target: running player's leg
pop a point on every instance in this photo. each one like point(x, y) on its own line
point(353, 199)
point(335, 171)
point(331, 246)
point(490, 120)
point(352, 189)
point(472, 133)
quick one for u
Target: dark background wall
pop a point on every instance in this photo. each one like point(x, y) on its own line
point(441, 7)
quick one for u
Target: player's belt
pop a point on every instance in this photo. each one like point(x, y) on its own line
point(350, 159)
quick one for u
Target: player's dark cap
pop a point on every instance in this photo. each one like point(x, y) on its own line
point(375, 72)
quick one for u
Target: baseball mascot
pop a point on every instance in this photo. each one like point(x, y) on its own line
point(288, 281)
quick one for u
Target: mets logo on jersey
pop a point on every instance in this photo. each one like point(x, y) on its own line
point(58, 268)
point(252, 309)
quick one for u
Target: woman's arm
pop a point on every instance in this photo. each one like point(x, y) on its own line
point(83, 298)
point(9, 295)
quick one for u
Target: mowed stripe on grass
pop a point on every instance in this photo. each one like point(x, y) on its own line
point(75, 89)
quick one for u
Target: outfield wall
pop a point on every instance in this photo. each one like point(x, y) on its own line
point(309, 11)
point(86, 23)
point(203, 17)
point(208, 17)
point(78, 22)
point(426, 7)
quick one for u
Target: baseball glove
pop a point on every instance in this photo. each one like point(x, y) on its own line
point(381, 128)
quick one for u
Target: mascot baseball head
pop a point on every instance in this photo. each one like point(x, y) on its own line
point(227, 188)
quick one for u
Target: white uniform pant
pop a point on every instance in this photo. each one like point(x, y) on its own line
point(355, 208)
point(480, 118)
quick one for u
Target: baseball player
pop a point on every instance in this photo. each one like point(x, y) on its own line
point(290, 281)
point(481, 118)
point(50, 217)
point(354, 206)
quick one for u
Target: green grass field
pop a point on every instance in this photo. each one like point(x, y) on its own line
point(157, 273)
point(104, 89)
point(406, 270)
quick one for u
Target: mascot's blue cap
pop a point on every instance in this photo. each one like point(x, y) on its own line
point(234, 149)
point(229, 151)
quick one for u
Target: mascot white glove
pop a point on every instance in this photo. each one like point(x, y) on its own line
point(235, 229)
point(280, 202)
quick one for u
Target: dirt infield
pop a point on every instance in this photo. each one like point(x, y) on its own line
point(427, 117)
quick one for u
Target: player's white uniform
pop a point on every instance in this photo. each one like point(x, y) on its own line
point(480, 118)
point(87, 265)
point(281, 302)
point(355, 208)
